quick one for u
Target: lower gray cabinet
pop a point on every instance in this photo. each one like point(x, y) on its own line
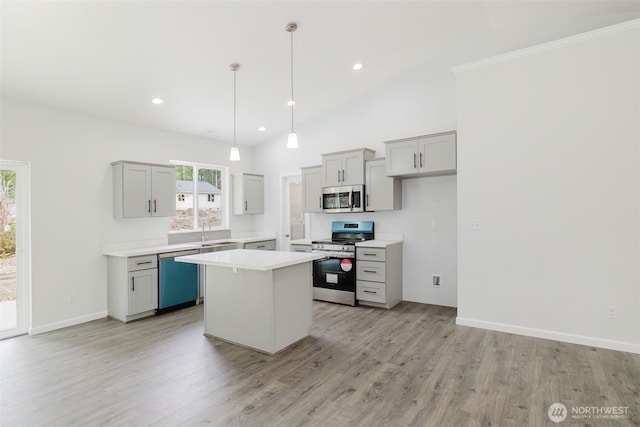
point(379, 275)
point(264, 245)
point(299, 248)
point(132, 287)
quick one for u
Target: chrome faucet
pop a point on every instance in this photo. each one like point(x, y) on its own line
point(204, 236)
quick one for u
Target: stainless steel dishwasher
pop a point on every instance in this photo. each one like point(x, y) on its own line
point(177, 281)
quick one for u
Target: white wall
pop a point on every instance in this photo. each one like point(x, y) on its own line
point(417, 102)
point(548, 162)
point(71, 199)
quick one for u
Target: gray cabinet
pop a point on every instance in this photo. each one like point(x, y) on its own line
point(379, 275)
point(312, 189)
point(264, 245)
point(132, 287)
point(345, 167)
point(383, 193)
point(143, 190)
point(248, 194)
point(422, 156)
point(296, 247)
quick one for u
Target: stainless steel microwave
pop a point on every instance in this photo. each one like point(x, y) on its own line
point(343, 199)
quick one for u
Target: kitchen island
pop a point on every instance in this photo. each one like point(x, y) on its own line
point(257, 299)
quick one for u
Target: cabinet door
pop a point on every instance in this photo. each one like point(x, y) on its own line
point(253, 194)
point(383, 193)
point(312, 189)
point(353, 166)
point(437, 154)
point(136, 190)
point(163, 191)
point(401, 158)
point(143, 291)
point(332, 170)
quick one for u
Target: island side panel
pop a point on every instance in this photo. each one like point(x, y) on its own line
point(239, 307)
point(292, 303)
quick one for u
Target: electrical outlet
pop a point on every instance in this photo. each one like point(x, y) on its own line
point(435, 280)
point(613, 312)
point(71, 299)
point(434, 222)
point(474, 225)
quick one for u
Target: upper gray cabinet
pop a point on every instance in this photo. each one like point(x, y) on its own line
point(312, 189)
point(248, 194)
point(422, 156)
point(383, 193)
point(143, 190)
point(345, 167)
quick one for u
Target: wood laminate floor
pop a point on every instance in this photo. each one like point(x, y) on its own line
point(410, 366)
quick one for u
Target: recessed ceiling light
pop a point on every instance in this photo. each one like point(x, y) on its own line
point(357, 66)
point(262, 128)
point(291, 102)
point(157, 101)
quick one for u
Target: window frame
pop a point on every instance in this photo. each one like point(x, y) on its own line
point(224, 200)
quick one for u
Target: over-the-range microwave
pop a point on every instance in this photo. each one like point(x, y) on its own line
point(343, 199)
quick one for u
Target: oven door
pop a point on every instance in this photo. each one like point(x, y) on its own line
point(335, 273)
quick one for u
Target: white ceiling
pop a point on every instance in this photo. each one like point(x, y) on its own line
point(110, 58)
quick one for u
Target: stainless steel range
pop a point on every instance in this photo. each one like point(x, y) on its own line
point(334, 277)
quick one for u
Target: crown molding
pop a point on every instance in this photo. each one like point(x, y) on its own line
point(544, 47)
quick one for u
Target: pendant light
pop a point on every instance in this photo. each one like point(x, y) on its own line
point(234, 156)
point(292, 140)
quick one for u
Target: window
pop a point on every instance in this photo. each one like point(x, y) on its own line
point(200, 191)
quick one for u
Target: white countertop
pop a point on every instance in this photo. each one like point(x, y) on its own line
point(251, 259)
point(149, 250)
point(375, 243)
point(300, 242)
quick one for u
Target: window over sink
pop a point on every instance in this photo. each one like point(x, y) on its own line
point(201, 197)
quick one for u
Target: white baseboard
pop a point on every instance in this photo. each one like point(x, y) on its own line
point(551, 335)
point(66, 323)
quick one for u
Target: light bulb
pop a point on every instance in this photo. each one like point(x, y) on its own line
point(292, 141)
point(234, 156)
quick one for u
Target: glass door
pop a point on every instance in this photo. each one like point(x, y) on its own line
point(14, 249)
point(293, 219)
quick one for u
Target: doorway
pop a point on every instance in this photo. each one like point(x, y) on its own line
point(293, 220)
point(14, 249)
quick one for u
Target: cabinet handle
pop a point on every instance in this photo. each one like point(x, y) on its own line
point(338, 176)
point(369, 271)
point(149, 206)
point(133, 284)
point(414, 160)
point(366, 254)
point(420, 159)
point(261, 246)
point(155, 206)
point(299, 250)
point(367, 199)
point(144, 262)
point(246, 205)
point(342, 175)
point(369, 292)
point(320, 202)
